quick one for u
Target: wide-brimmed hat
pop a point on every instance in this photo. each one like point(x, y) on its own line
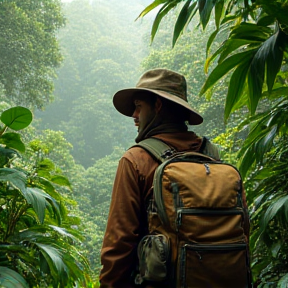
point(162, 82)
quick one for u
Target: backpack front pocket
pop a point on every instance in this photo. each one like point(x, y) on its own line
point(213, 266)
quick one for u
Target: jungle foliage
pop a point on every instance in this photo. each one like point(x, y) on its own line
point(252, 58)
point(37, 241)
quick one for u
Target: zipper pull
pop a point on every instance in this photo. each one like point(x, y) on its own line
point(178, 219)
point(207, 168)
point(199, 255)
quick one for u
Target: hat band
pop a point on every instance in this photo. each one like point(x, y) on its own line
point(179, 95)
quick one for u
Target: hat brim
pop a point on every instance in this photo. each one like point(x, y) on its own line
point(123, 101)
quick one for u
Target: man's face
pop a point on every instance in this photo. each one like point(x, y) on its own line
point(143, 114)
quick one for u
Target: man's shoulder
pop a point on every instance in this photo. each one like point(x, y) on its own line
point(136, 153)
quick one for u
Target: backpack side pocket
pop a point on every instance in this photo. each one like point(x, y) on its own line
point(153, 253)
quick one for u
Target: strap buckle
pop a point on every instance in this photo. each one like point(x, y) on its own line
point(168, 153)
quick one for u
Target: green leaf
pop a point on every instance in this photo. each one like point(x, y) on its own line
point(53, 257)
point(63, 232)
point(13, 140)
point(17, 118)
point(183, 19)
point(162, 12)
point(231, 45)
point(227, 48)
point(149, 8)
point(236, 85)
point(255, 83)
point(283, 282)
point(276, 93)
point(39, 201)
point(274, 46)
point(228, 18)
point(60, 180)
point(46, 165)
point(15, 177)
point(265, 20)
point(35, 197)
point(47, 186)
point(250, 31)
point(11, 279)
point(246, 161)
point(219, 10)
point(266, 142)
point(205, 9)
point(275, 248)
point(223, 68)
point(6, 155)
point(272, 210)
point(209, 43)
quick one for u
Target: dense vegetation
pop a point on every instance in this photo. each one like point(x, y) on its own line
point(64, 162)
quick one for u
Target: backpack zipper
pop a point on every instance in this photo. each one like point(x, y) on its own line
point(199, 211)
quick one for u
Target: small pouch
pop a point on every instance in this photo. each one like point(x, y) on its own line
point(153, 254)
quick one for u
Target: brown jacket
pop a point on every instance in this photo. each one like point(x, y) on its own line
point(127, 222)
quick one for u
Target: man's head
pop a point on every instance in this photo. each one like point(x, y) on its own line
point(162, 86)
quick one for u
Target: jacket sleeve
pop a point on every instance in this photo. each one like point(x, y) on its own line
point(118, 255)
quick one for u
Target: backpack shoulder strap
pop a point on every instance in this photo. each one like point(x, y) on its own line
point(159, 149)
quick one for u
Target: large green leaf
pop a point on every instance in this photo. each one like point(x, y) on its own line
point(54, 259)
point(11, 279)
point(60, 180)
point(205, 9)
point(13, 140)
point(264, 144)
point(275, 46)
point(276, 93)
point(5, 248)
point(272, 210)
point(63, 232)
point(231, 45)
point(186, 14)
point(6, 155)
point(39, 201)
point(283, 282)
point(48, 187)
point(255, 83)
point(236, 86)
point(15, 177)
point(149, 8)
point(17, 118)
point(268, 56)
point(219, 12)
point(250, 31)
point(44, 168)
point(246, 161)
point(208, 45)
point(162, 12)
point(223, 68)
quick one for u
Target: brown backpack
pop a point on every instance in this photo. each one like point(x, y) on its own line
point(198, 225)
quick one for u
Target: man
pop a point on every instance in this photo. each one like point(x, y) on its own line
point(160, 109)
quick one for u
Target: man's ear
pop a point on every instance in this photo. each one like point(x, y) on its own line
point(158, 105)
